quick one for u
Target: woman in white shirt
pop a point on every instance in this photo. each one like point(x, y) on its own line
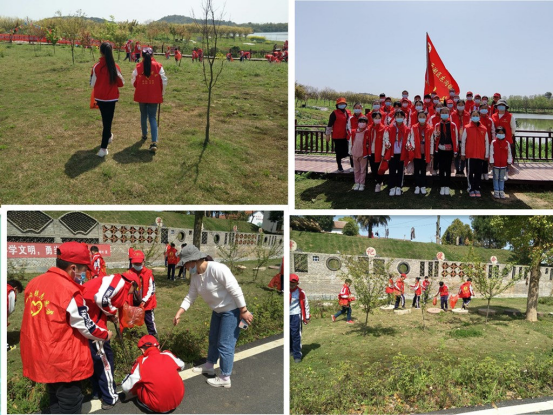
point(215, 283)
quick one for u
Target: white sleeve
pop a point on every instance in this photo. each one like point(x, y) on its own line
point(133, 76)
point(307, 311)
point(191, 296)
point(491, 153)
point(93, 76)
point(385, 141)
point(225, 277)
point(487, 146)
point(150, 290)
point(107, 291)
point(513, 124)
point(81, 321)
point(120, 76)
point(11, 306)
point(163, 80)
point(509, 155)
point(179, 362)
point(131, 379)
point(463, 142)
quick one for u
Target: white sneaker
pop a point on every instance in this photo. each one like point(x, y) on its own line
point(496, 195)
point(350, 170)
point(423, 190)
point(398, 191)
point(446, 191)
point(434, 173)
point(393, 191)
point(377, 188)
point(417, 190)
point(203, 370)
point(103, 152)
point(110, 139)
point(361, 187)
point(442, 191)
point(506, 174)
point(502, 195)
point(218, 382)
point(355, 186)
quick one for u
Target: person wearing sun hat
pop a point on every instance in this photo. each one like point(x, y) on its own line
point(154, 378)
point(56, 327)
point(339, 127)
point(503, 118)
point(215, 283)
point(299, 315)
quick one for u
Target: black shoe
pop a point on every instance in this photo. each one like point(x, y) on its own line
point(153, 148)
point(144, 137)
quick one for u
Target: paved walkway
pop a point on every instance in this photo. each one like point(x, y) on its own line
point(542, 406)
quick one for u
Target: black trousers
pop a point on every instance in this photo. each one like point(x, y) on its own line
point(444, 166)
point(416, 301)
point(182, 271)
point(150, 321)
point(400, 299)
point(65, 397)
point(396, 171)
point(107, 109)
point(475, 174)
point(374, 170)
point(420, 172)
point(341, 149)
point(171, 271)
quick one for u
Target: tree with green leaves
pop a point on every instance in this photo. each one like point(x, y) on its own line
point(533, 237)
point(52, 36)
point(459, 230)
point(368, 222)
point(485, 234)
point(351, 229)
point(71, 27)
point(369, 283)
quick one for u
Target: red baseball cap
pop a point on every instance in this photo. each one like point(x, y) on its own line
point(469, 93)
point(294, 278)
point(147, 341)
point(497, 95)
point(137, 257)
point(74, 252)
point(403, 276)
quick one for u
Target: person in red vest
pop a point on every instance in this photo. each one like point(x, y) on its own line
point(55, 329)
point(486, 121)
point(149, 81)
point(500, 159)
point(422, 141)
point(469, 101)
point(390, 289)
point(417, 288)
point(388, 112)
point(445, 142)
point(357, 112)
point(425, 289)
point(375, 109)
point(178, 55)
point(106, 79)
point(405, 97)
point(167, 53)
point(344, 300)
point(136, 52)
point(128, 50)
point(299, 315)
point(154, 379)
point(399, 290)
point(428, 105)
point(98, 263)
point(466, 292)
point(378, 135)
point(172, 261)
point(396, 152)
point(194, 54)
point(359, 152)
point(443, 292)
point(506, 120)
point(14, 287)
point(414, 113)
point(496, 97)
point(147, 287)
point(475, 148)
point(229, 57)
point(200, 54)
point(339, 126)
point(461, 117)
point(104, 297)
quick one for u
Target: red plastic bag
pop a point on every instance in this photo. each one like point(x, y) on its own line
point(132, 316)
point(383, 167)
point(453, 300)
point(93, 103)
point(434, 301)
point(389, 290)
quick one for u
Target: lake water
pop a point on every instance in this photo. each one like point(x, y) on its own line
point(278, 36)
point(540, 122)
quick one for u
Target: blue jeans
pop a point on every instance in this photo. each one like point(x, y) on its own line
point(443, 301)
point(223, 334)
point(345, 309)
point(295, 335)
point(148, 111)
point(499, 179)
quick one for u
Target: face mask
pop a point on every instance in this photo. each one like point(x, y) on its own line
point(362, 124)
point(377, 120)
point(405, 95)
point(357, 111)
point(418, 108)
point(399, 120)
point(436, 101)
point(485, 101)
point(193, 270)
point(501, 107)
point(404, 105)
point(444, 116)
point(342, 106)
point(427, 100)
point(461, 107)
point(376, 107)
point(477, 101)
point(422, 120)
point(469, 98)
point(483, 111)
point(451, 94)
point(475, 118)
point(382, 99)
point(456, 99)
point(450, 105)
point(500, 136)
point(388, 104)
point(137, 267)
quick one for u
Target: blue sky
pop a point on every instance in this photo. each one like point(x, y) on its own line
point(238, 11)
point(375, 46)
point(425, 226)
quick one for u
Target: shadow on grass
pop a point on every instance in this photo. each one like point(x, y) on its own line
point(81, 162)
point(134, 154)
point(374, 331)
point(195, 167)
point(307, 348)
point(13, 337)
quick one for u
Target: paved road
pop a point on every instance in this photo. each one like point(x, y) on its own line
point(257, 385)
point(541, 406)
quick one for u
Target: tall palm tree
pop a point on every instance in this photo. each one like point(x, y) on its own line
point(368, 222)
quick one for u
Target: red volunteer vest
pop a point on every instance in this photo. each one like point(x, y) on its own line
point(51, 350)
point(464, 290)
point(475, 146)
point(339, 129)
point(504, 122)
point(403, 133)
point(500, 152)
point(172, 257)
point(376, 136)
point(487, 122)
point(144, 276)
point(148, 90)
point(427, 141)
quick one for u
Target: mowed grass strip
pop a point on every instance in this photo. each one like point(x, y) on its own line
point(400, 368)
point(49, 136)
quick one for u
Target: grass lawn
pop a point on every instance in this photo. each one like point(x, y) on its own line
point(324, 192)
point(49, 136)
point(329, 243)
point(400, 368)
point(188, 340)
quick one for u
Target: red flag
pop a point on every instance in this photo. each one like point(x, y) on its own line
point(437, 77)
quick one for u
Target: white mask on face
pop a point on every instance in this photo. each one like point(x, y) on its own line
point(137, 267)
point(377, 120)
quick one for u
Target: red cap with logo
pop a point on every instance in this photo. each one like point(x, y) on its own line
point(294, 278)
point(137, 257)
point(74, 253)
point(147, 341)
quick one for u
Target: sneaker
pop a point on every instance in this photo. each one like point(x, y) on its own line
point(106, 406)
point(333, 318)
point(297, 360)
point(355, 186)
point(103, 152)
point(144, 137)
point(423, 190)
point(350, 170)
point(506, 174)
point(502, 195)
point(446, 191)
point(153, 147)
point(340, 170)
point(496, 195)
point(442, 191)
point(417, 190)
point(472, 194)
point(393, 191)
point(434, 173)
point(398, 191)
point(361, 187)
point(350, 322)
point(377, 188)
point(486, 176)
point(201, 369)
point(218, 382)
point(110, 139)
point(477, 193)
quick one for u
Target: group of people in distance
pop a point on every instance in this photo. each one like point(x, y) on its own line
point(476, 134)
point(65, 339)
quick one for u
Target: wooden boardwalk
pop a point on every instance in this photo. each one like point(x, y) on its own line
point(522, 173)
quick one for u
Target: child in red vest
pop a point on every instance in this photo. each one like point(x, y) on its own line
point(466, 292)
point(399, 290)
point(344, 299)
point(500, 158)
point(425, 289)
point(443, 292)
point(98, 263)
point(417, 288)
point(299, 315)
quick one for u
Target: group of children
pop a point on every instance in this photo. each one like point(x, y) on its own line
point(429, 134)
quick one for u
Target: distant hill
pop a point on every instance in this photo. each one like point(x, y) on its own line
point(256, 27)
